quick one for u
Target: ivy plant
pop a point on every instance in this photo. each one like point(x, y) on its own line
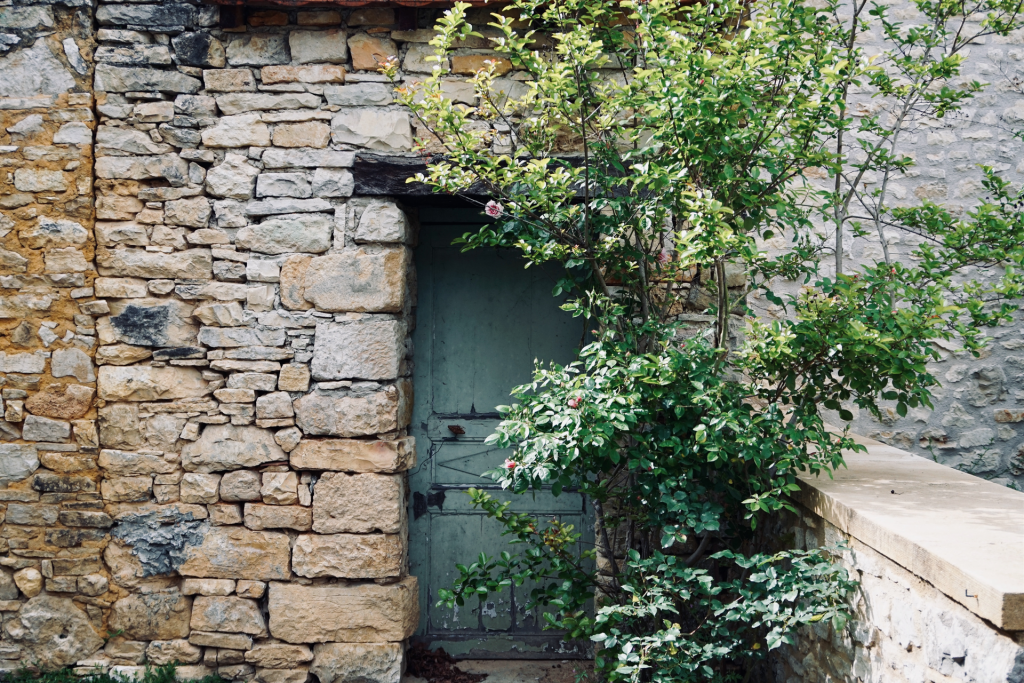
point(660, 152)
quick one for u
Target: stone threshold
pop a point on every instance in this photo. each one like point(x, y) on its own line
point(960, 533)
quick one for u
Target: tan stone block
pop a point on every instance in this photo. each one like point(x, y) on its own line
point(355, 455)
point(162, 652)
point(365, 279)
point(259, 517)
point(200, 489)
point(280, 488)
point(229, 80)
point(224, 514)
point(191, 264)
point(313, 73)
point(358, 503)
point(349, 556)
point(121, 354)
point(145, 383)
point(126, 489)
point(230, 447)
point(362, 613)
point(310, 134)
point(29, 581)
point(231, 552)
point(207, 587)
point(114, 208)
point(65, 260)
point(251, 589)
point(470, 64)
point(369, 53)
point(62, 401)
point(295, 675)
point(293, 273)
point(1000, 415)
point(161, 615)
point(227, 614)
point(294, 377)
point(343, 662)
point(120, 288)
point(338, 414)
point(278, 655)
point(230, 641)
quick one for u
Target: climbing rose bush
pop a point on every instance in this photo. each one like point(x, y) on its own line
point(654, 150)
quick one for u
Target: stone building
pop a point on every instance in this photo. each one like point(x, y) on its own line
point(212, 273)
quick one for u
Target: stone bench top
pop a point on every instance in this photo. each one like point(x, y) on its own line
point(960, 533)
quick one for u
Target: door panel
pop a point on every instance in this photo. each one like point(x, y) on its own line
point(481, 320)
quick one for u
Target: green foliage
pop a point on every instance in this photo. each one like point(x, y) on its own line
point(651, 149)
point(158, 674)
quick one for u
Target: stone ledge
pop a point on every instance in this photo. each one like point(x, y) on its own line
point(962, 534)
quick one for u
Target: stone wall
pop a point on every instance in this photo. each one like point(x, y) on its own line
point(903, 630)
point(205, 350)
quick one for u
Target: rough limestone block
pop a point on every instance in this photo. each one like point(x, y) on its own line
point(283, 185)
point(307, 158)
point(339, 413)
point(239, 103)
point(355, 455)
point(278, 655)
point(358, 349)
point(33, 72)
point(47, 232)
point(244, 130)
point(385, 130)
point(231, 552)
point(382, 222)
point(369, 53)
point(200, 488)
point(308, 233)
point(294, 377)
point(308, 47)
point(333, 182)
point(230, 447)
point(280, 488)
point(110, 78)
point(275, 405)
point(169, 167)
point(207, 587)
point(259, 517)
point(314, 73)
point(160, 615)
point(228, 614)
point(233, 179)
point(144, 383)
point(308, 134)
point(52, 632)
point(344, 662)
point(72, 363)
point(127, 464)
point(350, 556)
point(358, 503)
point(153, 322)
point(258, 49)
point(162, 652)
point(364, 613)
point(191, 264)
point(359, 95)
point(229, 80)
point(367, 279)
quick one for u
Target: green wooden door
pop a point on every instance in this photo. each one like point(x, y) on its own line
point(481, 320)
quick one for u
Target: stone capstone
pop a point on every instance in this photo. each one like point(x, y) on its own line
point(53, 632)
point(360, 613)
point(355, 455)
point(358, 503)
point(231, 447)
point(350, 556)
point(239, 553)
point(369, 348)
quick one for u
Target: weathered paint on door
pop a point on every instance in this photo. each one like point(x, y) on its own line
point(481, 320)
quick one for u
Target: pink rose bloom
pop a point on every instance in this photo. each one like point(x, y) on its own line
point(493, 209)
point(510, 464)
point(575, 402)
